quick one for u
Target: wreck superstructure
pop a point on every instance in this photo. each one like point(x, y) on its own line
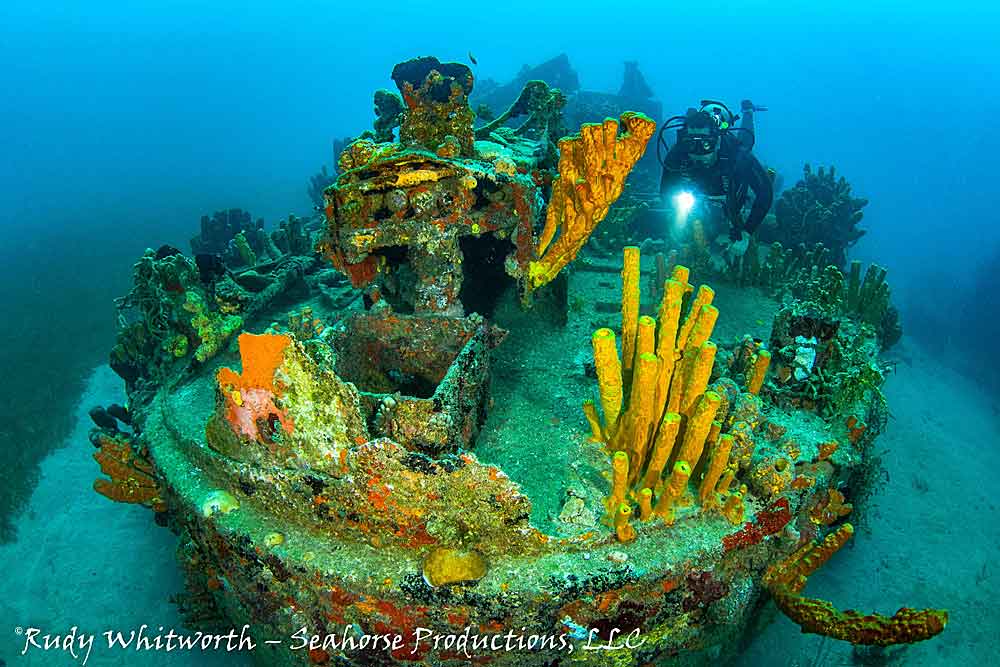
point(317, 444)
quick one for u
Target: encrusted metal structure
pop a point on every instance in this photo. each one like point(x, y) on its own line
point(330, 482)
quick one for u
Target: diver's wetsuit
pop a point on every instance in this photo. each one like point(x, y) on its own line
point(734, 174)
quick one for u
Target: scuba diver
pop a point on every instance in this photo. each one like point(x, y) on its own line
point(712, 159)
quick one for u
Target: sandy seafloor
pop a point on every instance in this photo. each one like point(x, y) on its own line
point(82, 560)
point(934, 540)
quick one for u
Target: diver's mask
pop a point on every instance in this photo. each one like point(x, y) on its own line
point(701, 148)
point(701, 144)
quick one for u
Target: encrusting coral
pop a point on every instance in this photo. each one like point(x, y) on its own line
point(786, 579)
point(829, 508)
point(543, 107)
point(284, 407)
point(437, 108)
point(214, 329)
point(167, 314)
point(181, 313)
point(592, 171)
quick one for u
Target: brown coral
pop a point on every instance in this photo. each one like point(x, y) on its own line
point(668, 419)
point(787, 578)
point(131, 474)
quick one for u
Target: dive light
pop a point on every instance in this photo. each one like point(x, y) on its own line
point(684, 202)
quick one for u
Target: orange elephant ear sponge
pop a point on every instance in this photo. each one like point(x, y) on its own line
point(593, 166)
point(260, 356)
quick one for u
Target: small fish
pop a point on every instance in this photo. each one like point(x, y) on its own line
point(472, 58)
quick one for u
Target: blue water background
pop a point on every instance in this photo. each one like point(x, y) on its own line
point(122, 123)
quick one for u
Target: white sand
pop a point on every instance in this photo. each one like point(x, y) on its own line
point(937, 548)
point(84, 560)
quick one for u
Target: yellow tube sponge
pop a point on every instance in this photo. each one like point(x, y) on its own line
point(698, 426)
point(733, 508)
point(669, 315)
point(786, 579)
point(663, 446)
point(666, 342)
point(609, 377)
point(592, 170)
point(623, 527)
point(717, 465)
point(713, 433)
point(759, 370)
point(646, 504)
point(630, 306)
point(672, 491)
point(619, 481)
point(645, 339)
point(696, 376)
point(640, 413)
point(906, 626)
point(728, 476)
point(703, 326)
point(704, 297)
point(682, 274)
point(590, 412)
point(793, 572)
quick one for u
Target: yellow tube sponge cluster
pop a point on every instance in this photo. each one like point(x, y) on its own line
point(660, 418)
point(593, 166)
point(624, 529)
